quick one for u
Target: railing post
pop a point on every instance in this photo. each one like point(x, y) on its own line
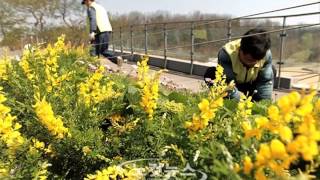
point(282, 40)
point(131, 39)
point(146, 39)
point(192, 48)
point(121, 46)
point(229, 34)
point(165, 34)
point(112, 40)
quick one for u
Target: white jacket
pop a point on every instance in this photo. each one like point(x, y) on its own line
point(102, 18)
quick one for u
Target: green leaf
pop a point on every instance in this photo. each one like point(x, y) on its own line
point(178, 97)
point(133, 95)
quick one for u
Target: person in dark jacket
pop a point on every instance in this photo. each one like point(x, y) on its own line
point(248, 62)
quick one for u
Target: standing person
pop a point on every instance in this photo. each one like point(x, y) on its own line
point(100, 28)
point(248, 62)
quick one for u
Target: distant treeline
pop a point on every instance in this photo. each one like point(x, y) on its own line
point(27, 21)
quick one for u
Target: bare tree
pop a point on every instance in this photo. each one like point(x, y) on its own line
point(37, 12)
point(8, 18)
point(70, 12)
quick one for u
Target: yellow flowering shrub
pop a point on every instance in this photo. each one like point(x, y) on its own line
point(42, 172)
point(9, 129)
point(120, 124)
point(46, 116)
point(92, 92)
point(149, 87)
point(293, 120)
point(50, 62)
point(208, 107)
point(26, 63)
point(41, 65)
point(117, 172)
point(201, 132)
point(4, 172)
point(5, 66)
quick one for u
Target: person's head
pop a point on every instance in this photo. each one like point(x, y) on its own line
point(87, 2)
point(254, 48)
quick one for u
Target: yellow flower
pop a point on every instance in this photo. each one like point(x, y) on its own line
point(5, 65)
point(9, 133)
point(294, 98)
point(197, 123)
point(261, 122)
point(112, 172)
point(259, 174)
point(204, 105)
point(276, 167)
point(285, 133)
point(247, 165)
point(116, 118)
point(91, 92)
point(188, 125)
point(317, 105)
point(309, 152)
point(143, 68)
point(209, 106)
point(42, 172)
point(46, 116)
point(263, 155)
point(4, 109)
point(86, 150)
point(273, 113)
point(236, 167)
point(285, 104)
point(218, 74)
point(48, 150)
point(253, 133)
point(206, 112)
point(149, 87)
point(25, 65)
point(307, 99)
point(3, 172)
point(244, 108)
point(38, 144)
point(217, 103)
point(304, 109)
point(278, 150)
point(246, 126)
point(293, 147)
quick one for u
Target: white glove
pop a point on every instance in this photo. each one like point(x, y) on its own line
point(91, 35)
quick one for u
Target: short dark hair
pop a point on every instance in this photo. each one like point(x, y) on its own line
point(84, 1)
point(256, 45)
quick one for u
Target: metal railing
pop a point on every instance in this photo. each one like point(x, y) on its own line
point(129, 39)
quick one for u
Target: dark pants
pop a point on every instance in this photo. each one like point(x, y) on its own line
point(101, 45)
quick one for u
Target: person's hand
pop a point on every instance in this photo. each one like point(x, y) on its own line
point(92, 35)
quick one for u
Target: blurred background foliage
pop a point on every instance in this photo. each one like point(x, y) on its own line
point(42, 21)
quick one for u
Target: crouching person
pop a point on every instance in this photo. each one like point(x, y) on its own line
point(248, 62)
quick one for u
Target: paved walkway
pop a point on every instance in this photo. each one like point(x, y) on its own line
point(171, 79)
point(303, 76)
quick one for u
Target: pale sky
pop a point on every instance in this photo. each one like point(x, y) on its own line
point(235, 8)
